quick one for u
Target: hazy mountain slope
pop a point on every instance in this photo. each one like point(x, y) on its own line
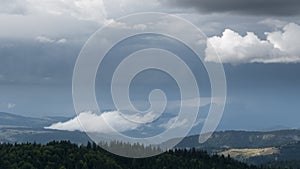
point(242, 139)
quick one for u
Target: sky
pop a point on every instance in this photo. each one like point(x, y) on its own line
point(256, 41)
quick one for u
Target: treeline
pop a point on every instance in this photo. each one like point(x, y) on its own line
point(130, 150)
point(65, 155)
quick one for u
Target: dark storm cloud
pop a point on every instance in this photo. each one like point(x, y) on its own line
point(33, 62)
point(245, 7)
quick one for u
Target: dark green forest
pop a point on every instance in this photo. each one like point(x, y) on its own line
point(66, 155)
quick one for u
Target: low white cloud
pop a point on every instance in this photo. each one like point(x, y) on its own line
point(109, 122)
point(44, 39)
point(281, 46)
point(11, 105)
point(103, 123)
point(173, 123)
point(195, 102)
point(61, 41)
point(203, 101)
point(7, 106)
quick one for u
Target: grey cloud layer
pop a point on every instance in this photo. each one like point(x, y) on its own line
point(248, 7)
point(13, 7)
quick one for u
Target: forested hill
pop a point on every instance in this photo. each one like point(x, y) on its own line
point(65, 155)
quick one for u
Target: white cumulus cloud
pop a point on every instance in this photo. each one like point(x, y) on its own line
point(287, 40)
point(280, 46)
point(44, 39)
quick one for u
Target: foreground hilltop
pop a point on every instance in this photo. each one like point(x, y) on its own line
point(65, 155)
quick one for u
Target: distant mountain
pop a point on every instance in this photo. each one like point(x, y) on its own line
point(16, 128)
point(276, 128)
point(13, 120)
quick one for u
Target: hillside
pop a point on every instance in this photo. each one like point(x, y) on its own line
point(272, 147)
point(288, 152)
point(271, 155)
point(247, 153)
